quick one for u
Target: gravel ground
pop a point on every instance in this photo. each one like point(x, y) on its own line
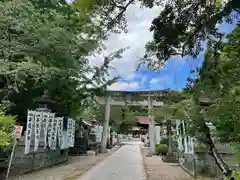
point(156, 169)
point(70, 171)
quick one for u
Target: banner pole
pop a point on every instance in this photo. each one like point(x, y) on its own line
point(11, 157)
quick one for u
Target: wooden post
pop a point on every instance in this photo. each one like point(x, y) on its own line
point(96, 151)
point(194, 168)
point(17, 134)
point(11, 157)
point(105, 124)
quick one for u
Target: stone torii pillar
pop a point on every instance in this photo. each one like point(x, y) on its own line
point(105, 124)
point(151, 128)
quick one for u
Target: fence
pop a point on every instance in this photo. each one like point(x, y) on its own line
point(203, 164)
point(188, 163)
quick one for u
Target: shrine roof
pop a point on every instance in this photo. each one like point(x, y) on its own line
point(142, 120)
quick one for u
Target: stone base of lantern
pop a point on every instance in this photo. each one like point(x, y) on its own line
point(170, 157)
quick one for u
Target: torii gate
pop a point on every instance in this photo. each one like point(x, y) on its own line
point(120, 98)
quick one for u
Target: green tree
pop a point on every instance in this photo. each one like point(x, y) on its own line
point(45, 45)
point(181, 27)
point(113, 13)
point(6, 130)
point(90, 113)
point(217, 90)
point(225, 105)
point(124, 120)
point(179, 30)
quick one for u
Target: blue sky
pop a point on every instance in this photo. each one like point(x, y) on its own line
point(172, 76)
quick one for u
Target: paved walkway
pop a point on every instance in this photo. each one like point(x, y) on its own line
point(125, 164)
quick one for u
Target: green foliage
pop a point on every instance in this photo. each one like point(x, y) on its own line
point(164, 141)
point(112, 13)
point(181, 27)
point(218, 85)
point(6, 130)
point(161, 149)
point(219, 80)
point(124, 120)
point(45, 45)
point(235, 175)
point(216, 95)
point(139, 110)
point(90, 113)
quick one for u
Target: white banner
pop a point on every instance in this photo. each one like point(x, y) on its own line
point(97, 133)
point(30, 121)
point(38, 123)
point(45, 119)
point(157, 131)
point(71, 132)
point(93, 130)
point(180, 144)
point(54, 133)
point(50, 129)
point(60, 131)
point(192, 149)
point(101, 132)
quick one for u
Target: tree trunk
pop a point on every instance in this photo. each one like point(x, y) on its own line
point(105, 125)
point(169, 134)
point(214, 152)
point(208, 140)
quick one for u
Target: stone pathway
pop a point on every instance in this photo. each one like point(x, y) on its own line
point(125, 164)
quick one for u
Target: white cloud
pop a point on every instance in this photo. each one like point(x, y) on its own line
point(162, 82)
point(130, 77)
point(135, 76)
point(124, 86)
point(143, 80)
point(139, 21)
point(154, 81)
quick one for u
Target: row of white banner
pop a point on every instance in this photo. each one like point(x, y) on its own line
point(52, 129)
point(185, 142)
point(98, 130)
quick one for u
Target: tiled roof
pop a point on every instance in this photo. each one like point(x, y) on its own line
point(142, 119)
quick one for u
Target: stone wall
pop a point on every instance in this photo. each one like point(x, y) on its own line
point(36, 160)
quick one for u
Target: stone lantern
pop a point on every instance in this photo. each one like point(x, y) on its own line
point(43, 102)
point(204, 99)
